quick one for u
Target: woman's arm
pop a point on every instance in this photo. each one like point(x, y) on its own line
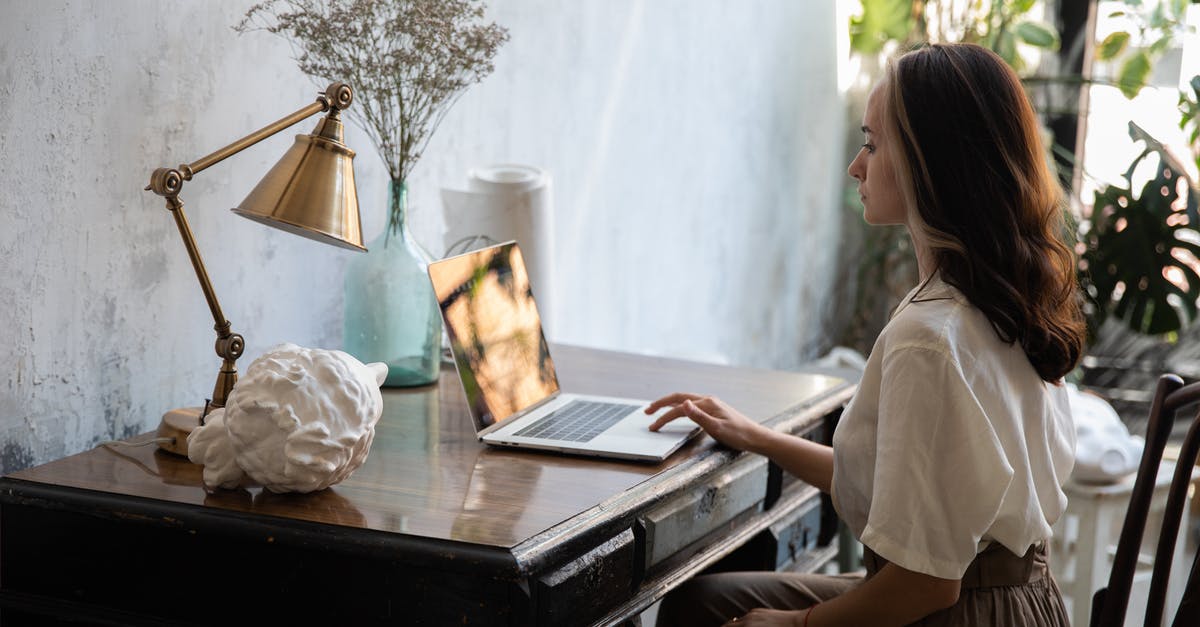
point(811, 462)
point(894, 596)
point(808, 460)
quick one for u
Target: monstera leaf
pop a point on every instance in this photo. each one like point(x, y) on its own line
point(1140, 262)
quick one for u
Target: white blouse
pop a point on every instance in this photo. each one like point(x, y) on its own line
point(952, 440)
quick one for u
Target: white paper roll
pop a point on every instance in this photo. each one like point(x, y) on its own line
point(501, 203)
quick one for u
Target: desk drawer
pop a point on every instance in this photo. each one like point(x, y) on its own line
point(796, 535)
point(579, 592)
point(704, 508)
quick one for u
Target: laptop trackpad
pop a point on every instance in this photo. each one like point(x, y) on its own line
point(639, 423)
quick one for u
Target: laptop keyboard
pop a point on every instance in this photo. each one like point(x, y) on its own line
point(578, 421)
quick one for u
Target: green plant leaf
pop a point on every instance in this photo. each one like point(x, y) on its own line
point(1159, 18)
point(1192, 211)
point(1189, 113)
point(880, 22)
point(1179, 7)
point(1134, 73)
point(1006, 47)
point(1159, 47)
point(1112, 45)
point(1134, 246)
point(1168, 168)
point(1023, 6)
point(1037, 34)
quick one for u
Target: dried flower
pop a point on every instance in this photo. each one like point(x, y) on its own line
point(408, 61)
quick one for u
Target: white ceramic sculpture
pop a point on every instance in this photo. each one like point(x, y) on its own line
point(1105, 452)
point(299, 420)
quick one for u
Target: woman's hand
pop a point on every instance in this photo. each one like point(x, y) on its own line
point(811, 462)
point(724, 423)
point(768, 618)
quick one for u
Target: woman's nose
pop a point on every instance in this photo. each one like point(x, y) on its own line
point(855, 168)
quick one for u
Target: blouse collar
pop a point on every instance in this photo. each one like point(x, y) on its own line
point(932, 289)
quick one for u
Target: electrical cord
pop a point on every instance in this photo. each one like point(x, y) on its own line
point(134, 444)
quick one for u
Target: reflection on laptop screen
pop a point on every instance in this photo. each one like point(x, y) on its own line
point(494, 330)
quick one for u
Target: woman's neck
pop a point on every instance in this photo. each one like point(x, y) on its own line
point(925, 261)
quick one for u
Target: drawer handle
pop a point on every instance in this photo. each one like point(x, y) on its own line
point(707, 502)
point(594, 574)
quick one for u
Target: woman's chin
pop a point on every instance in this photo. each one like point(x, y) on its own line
point(874, 219)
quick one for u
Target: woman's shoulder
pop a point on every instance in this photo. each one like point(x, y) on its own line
point(937, 317)
point(925, 311)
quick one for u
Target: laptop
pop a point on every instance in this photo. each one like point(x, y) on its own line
point(508, 375)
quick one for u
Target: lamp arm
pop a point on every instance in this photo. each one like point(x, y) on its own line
point(168, 182)
point(229, 345)
point(334, 99)
point(222, 154)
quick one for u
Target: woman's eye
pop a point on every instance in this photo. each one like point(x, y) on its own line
point(869, 147)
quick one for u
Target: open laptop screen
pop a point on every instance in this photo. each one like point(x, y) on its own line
point(495, 331)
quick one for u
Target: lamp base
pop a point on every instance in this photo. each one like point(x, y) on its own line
point(177, 424)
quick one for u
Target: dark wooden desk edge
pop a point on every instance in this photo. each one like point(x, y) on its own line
point(618, 513)
point(807, 412)
point(365, 543)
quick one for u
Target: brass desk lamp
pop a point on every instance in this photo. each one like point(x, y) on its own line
point(310, 192)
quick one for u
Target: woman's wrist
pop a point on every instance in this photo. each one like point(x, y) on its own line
point(808, 615)
point(765, 442)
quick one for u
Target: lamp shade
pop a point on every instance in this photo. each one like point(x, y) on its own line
point(311, 191)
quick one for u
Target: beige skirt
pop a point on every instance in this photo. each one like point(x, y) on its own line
point(999, 588)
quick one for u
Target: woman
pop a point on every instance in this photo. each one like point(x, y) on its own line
point(948, 462)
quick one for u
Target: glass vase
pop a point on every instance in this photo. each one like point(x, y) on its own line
point(391, 313)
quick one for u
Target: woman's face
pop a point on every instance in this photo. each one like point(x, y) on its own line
point(872, 167)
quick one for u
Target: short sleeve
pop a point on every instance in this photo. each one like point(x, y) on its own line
point(940, 474)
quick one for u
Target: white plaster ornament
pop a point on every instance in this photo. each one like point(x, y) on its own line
point(299, 420)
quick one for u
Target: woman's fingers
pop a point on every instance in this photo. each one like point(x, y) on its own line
point(678, 411)
point(686, 409)
point(670, 399)
point(665, 418)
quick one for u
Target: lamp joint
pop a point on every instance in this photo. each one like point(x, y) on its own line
point(337, 96)
point(230, 347)
point(167, 182)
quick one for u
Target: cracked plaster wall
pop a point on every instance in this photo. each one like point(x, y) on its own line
point(695, 150)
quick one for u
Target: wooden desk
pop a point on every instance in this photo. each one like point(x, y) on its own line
point(434, 528)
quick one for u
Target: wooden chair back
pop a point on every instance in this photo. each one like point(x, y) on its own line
point(1110, 603)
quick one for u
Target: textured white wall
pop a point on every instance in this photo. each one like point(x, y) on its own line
point(695, 150)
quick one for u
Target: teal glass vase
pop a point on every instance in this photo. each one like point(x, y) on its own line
point(391, 313)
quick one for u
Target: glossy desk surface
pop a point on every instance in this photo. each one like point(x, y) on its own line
point(427, 476)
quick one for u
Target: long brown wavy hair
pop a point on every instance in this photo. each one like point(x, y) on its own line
point(970, 160)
